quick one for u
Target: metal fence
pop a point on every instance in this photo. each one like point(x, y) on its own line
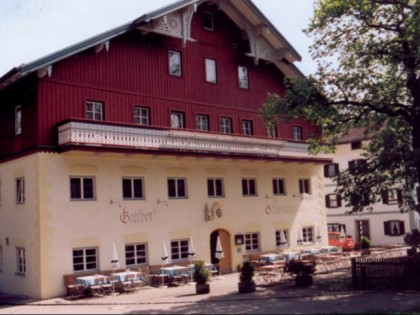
point(397, 273)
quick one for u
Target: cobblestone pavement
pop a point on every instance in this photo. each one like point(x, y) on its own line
point(330, 294)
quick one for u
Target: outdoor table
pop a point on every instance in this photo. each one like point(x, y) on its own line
point(87, 281)
point(270, 258)
point(174, 271)
point(122, 275)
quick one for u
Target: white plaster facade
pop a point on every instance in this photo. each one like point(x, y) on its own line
point(48, 225)
point(373, 226)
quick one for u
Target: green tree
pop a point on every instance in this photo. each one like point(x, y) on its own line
point(368, 75)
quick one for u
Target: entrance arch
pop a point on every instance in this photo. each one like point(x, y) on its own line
point(226, 262)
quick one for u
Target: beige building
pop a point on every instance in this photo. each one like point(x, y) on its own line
point(149, 134)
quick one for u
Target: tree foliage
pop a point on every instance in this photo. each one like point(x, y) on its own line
point(368, 75)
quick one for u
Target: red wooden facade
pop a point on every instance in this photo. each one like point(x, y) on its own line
point(134, 72)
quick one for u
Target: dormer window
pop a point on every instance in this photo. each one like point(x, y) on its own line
point(208, 21)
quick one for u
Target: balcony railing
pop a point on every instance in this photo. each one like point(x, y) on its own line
point(91, 134)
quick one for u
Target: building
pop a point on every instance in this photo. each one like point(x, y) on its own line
point(149, 134)
point(385, 224)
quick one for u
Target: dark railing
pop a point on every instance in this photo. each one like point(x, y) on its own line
point(398, 273)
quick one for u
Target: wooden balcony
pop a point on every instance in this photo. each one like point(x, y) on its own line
point(75, 133)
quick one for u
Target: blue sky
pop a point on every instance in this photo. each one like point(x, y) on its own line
point(31, 29)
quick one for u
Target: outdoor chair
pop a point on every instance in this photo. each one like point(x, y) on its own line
point(76, 291)
point(109, 285)
point(127, 284)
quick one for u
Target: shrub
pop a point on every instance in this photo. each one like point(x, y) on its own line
point(299, 268)
point(412, 238)
point(364, 242)
point(201, 273)
point(246, 272)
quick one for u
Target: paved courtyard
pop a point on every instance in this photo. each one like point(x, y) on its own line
point(330, 294)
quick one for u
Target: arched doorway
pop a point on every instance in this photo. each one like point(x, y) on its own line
point(226, 261)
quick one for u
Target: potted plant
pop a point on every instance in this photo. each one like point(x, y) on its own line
point(246, 278)
point(413, 239)
point(365, 245)
point(302, 271)
point(201, 277)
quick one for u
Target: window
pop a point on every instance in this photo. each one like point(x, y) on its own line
point(208, 21)
point(247, 127)
point(278, 186)
point(82, 188)
point(211, 71)
point(1, 258)
point(85, 259)
point(307, 234)
point(331, 170)
point(249, 187)
point(202, 122)
point(179, 249)
point(215, 187)
point(177, 120)
point(141, 116)
point(394, 228)
point(333, 200)
point(356, 145)
point(357, 166)
point(279, 237)
point(225, 125)
point(18, 120)
point(271, 131)
point(135, 254)
point(243, 77)
point(391, 196)
point(252, 242)
point(20, 190)
point(304, 186)
point(297, 133)
point(132, 188)
point(21, 260)
point(177, 188)
point(175, 63)
point(94, 110)
point(336, 227)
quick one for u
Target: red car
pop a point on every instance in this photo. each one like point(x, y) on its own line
point(335, 239)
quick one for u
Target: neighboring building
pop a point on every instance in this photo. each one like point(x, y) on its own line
point(149, 134)
point(385, 224)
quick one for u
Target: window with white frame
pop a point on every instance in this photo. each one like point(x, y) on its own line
point(177, 188)
point(392, 196)
point(175, 68)
point(179, 249)
point(252, 242)
point(308, 234)
point(331, 170)
point(297, 133)
point(247, 129)
point(202, 122)
point(211, 70)
point(141, 116)
point(225, 125)
point(279, 186)
point(1, 258)
point(94, 110)
point(85, 259)
point(133, 188)
point(249, 187)
point(20, 190)
point(394, 228)
point(243, 77)
point(82, 188)
point(177, 120)
point(271, 131)
point(215, 187)
point(20, 260)
point(208, 21)
point(136, 254)
point(282, 236)
point(304, 186)
point(333, 200)
point(18, 120)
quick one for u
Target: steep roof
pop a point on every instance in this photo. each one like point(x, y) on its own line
point(242, 12)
